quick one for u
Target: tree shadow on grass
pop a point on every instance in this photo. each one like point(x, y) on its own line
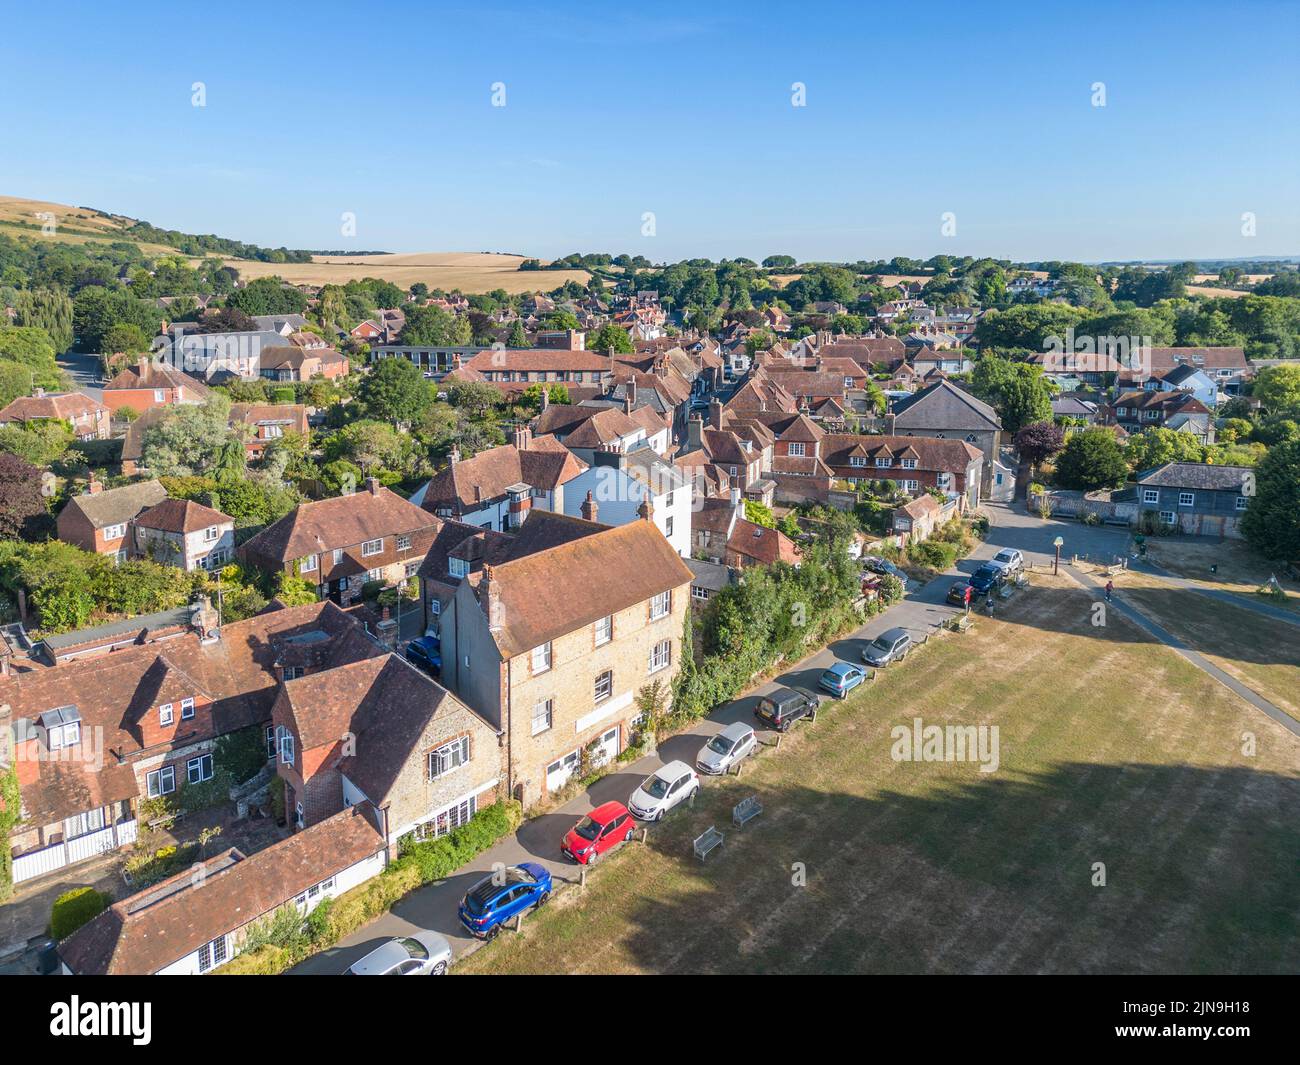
point(993, 873)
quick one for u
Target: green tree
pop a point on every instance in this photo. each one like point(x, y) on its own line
point(47, 310)
point(1091, 459)
point(434, 326)
point(610, 339)
point(1271, 524)
point(1019, 391)
point(1154, 447)
point(395, 391)
point(518, 338)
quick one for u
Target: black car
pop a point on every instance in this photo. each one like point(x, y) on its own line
point(957, 593)
point(986, 579)
point(425, 652)
point(785, 706)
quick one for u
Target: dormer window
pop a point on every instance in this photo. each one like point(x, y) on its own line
point(187, 709)
point(457, 567)
point(884, 463)
point(62, 727)
point(165, 714)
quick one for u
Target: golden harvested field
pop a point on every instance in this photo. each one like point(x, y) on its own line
point(471, 272)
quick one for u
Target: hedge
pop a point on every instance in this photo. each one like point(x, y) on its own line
point(418, 864)
point(75, 908)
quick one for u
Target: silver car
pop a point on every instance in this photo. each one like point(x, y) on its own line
point(724, 750)
point(419, 954)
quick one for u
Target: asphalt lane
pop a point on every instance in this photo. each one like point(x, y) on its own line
point(434, 905)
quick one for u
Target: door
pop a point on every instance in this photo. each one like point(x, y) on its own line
point(608, 749)
point(558, 773)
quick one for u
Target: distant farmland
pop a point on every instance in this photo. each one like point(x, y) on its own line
point(468, 271)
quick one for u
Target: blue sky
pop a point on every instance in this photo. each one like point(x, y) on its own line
point(684, 110)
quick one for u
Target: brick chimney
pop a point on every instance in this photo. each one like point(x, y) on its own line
point(646, 510)
point(206, 621)
point(489, 598)
point(589, 508)
point(715, 413)
point(454, 457)
point(93, 486)
point(546, 399)
point(694, 432)
point(372, 485)
point(521, 437)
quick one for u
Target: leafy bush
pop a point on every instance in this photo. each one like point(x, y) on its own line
point(75, 908)
point(419, 863)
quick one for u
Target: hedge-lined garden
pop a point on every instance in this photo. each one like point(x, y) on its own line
point(283, 939)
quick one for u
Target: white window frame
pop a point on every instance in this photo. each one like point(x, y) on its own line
point(187, 708)
point(795, 449)
point(457, 567)
point(661, 605)
point(546, 716)
point(448, 758)
point(114, 532)
point(1187, 499)
point(1242, 502)
point(213, 954)
point(1168, 517)
point(160, 781)
point(540, 658)
point(403, 543)
point(307, 564)
point(661, 656)
point(607, 677)
point(607, 624)
point(199, 769)
point(286, 746)
point(212, 532)
point(338, 555)
point(372, 547)
point(1151, 495)
point(166, 715)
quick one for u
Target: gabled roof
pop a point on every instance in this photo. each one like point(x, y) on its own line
point(485, 476)
point(551, 592)
point(166, 922)
point(181, 516)
point(943, 405)
point(157, 375)
point(763, 545)
point(65, 406)
point(341, 521)
point(115, 506)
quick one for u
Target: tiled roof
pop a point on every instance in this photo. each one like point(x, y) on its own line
point(342, 521)
point(63, 405)
point(154, 928)
point(114, 506)
point(761, 544)
point(180, 516)
point(549, 593)
point(1195, 475)
point(945, 406)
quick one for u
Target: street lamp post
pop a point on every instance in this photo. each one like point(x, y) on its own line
point(1056, 564)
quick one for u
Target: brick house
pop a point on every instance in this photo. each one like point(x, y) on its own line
point(153, 384)
point(1154, 409)
point(100, 519)
point(290, 362)
point(89, 420)
point(346, 541)
point(197, 920)
point(381, 731)
point(553, 647)
point(499, 487)
point(94, 737)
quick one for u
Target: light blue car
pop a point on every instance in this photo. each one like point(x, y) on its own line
point(841, 679)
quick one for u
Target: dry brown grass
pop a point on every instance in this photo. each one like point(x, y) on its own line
point(18, 214)
point(1114, 749)
point(1240, 570)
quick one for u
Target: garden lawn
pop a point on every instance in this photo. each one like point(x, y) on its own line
point(1118, 759)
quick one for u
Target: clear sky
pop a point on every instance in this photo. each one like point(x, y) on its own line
point(384, 110)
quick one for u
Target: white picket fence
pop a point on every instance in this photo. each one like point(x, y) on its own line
point(47, 860)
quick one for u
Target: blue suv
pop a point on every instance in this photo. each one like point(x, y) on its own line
point(491, 902)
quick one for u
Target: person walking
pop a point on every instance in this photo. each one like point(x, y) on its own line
point(1110, 587)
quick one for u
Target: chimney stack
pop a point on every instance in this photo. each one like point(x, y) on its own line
point(489, 597)
point(94, 487)
point(694, 432)
point(372, 485)
point(589, 508)
point(715, 413)
point(546, 398)
point(454, 457)
point(206, 621)
point(522, 437)
point(646, 510)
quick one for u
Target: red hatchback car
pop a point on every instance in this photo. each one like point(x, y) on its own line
point(596, 833)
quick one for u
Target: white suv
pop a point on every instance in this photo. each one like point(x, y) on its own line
point(662, 790)
point(1009, 561)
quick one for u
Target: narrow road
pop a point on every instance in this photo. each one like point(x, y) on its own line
point(434, 905)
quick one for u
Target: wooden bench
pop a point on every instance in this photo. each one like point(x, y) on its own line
point(707, 842)
point(961, 623)
point(745, 811)
point(1022, 580)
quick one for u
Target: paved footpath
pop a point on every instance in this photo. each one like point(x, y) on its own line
point(1277, 613)
point(1195, 658)
point(434, 905)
